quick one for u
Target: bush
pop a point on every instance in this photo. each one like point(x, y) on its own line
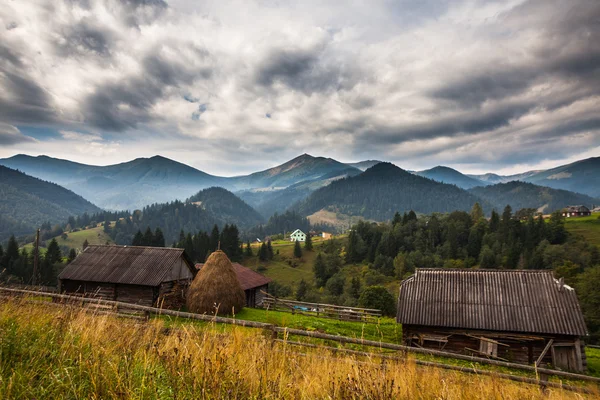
point(378, 297)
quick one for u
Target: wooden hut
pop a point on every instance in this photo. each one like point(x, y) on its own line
point(150, 276)
point(253, 284)
point(514, 315)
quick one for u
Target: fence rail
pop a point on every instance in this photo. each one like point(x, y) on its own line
point(286, 332)
point(319, 310)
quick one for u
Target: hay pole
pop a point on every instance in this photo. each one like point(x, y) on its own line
point(299, 332)
point(391, 346)
point(458, 368)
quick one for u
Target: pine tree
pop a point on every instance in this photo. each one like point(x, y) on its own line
point(248, 249)
point(308, 246)
point(85, 245)
point(269, 250)
point(72, 256)
point(214, 238)
point(48, 265)
point(148, 238)
point(297, 250)
point(320, 271)
point(397, 219)
point(494, 222)
point(107, 226)
point(11, 255)
point(159, 238)
point(138, 239)
point(476, 212)
point(301, 290)
point(263, 252)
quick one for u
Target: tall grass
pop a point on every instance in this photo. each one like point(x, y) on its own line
point(61, 353)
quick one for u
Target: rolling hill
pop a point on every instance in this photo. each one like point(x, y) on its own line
point(27, 202)
point(384, 189)
point(128, 185)
point(226, 207)
point(582, 177)
point(450, 176)
point(527, 195)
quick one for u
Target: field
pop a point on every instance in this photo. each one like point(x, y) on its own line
point(279, 269)
point(75, 240)
point(53, 352)
point(588, 227)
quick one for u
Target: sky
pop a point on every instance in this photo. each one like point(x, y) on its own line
point(233, 87)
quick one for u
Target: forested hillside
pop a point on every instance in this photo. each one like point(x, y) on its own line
point(451, 176)
point(27, 202)
point(384, 189)
point(227, 207)
point(527, 195)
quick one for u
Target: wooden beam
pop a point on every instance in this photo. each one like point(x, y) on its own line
point(541, 357)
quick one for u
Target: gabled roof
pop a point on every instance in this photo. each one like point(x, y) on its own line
point(248, 278)
point(576, 209)
point(297, 231)
point(134, 265)
point(496, 300)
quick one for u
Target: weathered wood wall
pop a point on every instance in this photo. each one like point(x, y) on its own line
point(515, 347)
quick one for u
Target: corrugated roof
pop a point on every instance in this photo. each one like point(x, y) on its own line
point(497, 300)
point(135, 265)
point(248, 278)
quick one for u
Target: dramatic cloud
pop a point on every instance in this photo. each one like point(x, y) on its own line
point(10, 135)
point(231, 87)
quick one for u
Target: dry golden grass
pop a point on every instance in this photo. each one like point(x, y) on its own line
point(49, 352)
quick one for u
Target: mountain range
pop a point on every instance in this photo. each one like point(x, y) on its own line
point(307, 184)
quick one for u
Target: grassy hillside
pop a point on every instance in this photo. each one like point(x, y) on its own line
point(588, 227)
point(75, 240)
point(50, 352)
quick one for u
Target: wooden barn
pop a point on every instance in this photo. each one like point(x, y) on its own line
point(150, 276)
point(519, 316)
point(251, 282)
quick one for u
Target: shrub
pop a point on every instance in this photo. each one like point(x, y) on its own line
point(378, 297)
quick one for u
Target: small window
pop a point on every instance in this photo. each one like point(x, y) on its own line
point(488, 348)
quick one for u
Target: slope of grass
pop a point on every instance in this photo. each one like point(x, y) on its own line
point(593, 360)
point(588, 227)
point(75, 240)
point(50, 352)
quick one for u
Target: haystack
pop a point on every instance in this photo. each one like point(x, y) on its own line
point(216, 288)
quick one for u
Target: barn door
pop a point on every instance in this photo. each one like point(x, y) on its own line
point(564, 357)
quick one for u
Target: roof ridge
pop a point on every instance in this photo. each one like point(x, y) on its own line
point(137, 247)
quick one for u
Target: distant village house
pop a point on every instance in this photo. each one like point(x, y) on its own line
point(149, 276)
point(576, 211)
point(520, 316)
point(298, 236)
point(326, 235)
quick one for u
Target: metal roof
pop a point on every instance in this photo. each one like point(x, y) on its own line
point(134, 265)
point(497, 300)
point(248, 278)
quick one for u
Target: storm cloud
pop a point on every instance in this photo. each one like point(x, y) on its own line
point(477, 84)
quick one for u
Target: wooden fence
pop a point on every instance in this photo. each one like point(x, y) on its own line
point(319, 310)
point(541, 373)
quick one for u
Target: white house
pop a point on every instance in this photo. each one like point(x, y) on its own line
point(298, 236)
